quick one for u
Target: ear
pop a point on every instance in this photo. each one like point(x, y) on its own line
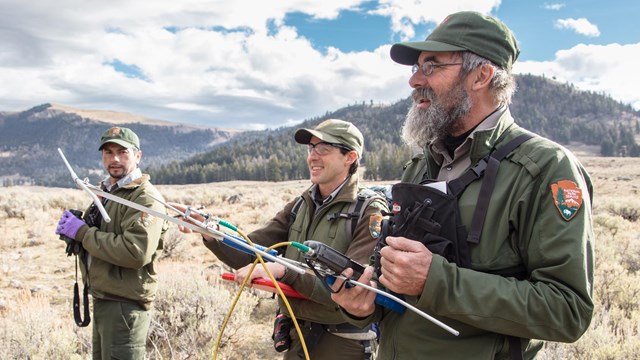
point(351, 157)
point(481, 77)
point(138, 156)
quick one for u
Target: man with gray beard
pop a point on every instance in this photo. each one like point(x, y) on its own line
point(436, 122)
point(522, 266)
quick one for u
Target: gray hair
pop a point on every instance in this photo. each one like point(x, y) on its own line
point(502, 86)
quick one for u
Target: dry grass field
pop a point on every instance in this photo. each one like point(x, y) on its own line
point(36, 277)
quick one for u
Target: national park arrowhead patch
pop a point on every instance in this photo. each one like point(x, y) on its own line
point(147, 219)
point(375, 225)
point(567, 197)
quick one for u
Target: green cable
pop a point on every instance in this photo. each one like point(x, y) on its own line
point(228, 225)
point(302, 247)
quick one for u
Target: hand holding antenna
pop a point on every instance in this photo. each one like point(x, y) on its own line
point(334, 262)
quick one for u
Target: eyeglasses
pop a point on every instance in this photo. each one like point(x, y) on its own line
point(428, 66)
point(324, 148)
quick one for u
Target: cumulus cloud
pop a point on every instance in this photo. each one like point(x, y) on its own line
point(556, 6)
point(202, 61)
point(598, 68)
point(581, 26)
point(406, 14)
point(218, 63)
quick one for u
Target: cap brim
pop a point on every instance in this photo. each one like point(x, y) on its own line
point(303, 136)
point(122, 143)
point(407, 53)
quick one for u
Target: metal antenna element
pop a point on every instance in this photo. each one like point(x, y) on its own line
point(195, 226)
point(228, 239)
point(409, 306)
point(83, 185)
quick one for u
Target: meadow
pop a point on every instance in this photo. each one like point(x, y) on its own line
point(36, 276)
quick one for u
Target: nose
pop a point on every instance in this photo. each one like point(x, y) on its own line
point(417, 80)
point(313, 154)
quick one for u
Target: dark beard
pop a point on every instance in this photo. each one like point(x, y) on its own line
point(443, 116)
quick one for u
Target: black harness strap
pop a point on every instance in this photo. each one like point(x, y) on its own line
point(457, 185)
point(294, 210)
point(356, 212)
point(515, 347)
point(76, 301)
point(493, 160)
point(488, 166)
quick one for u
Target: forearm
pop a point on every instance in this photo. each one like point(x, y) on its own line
point(523, 308)
point(228, 255)
point(273, 232)
point(132, 249)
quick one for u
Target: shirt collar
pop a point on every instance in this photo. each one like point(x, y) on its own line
point(438, 150)
point(314, 192)
point(132, 176)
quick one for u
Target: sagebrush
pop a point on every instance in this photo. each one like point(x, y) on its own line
point(37, 277)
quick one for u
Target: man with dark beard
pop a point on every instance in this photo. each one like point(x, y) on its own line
point(118, 257)
point(525, 271)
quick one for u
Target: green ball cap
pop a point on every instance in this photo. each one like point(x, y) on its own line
point(466, 30)
point(121, 136)
point(336, 132)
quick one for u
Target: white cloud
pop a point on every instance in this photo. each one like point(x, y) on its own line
point(406, 14)
point(598, 68)
point(556, 6)
point(581, 26)
point(219, 63)
point(202, 60)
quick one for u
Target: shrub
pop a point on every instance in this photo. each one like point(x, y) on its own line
point(31, 329)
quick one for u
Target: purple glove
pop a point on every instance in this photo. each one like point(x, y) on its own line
point(68, 225)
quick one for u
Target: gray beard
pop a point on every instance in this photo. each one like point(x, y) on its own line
point(423, 127)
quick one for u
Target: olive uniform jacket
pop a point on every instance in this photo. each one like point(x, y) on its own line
point(528, 226)
point(307, 227)
point(122, 252)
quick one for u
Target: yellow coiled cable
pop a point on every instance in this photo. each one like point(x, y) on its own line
point(280, 292)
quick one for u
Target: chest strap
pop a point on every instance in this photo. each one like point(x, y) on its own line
point(487, 167)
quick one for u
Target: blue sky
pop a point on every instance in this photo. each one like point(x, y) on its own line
point(533, 22)
point(265, 64)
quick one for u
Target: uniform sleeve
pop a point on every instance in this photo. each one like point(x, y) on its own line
point(363, 253)
point(414, 169)
point(360, 250)
point(364, 242)
point(274, 231)
point(555, 303)
point(134, 246)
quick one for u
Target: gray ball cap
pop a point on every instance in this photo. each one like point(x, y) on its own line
point(336, 132)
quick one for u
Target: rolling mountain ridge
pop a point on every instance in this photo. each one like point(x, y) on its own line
point(29, 141)
point(180, 153)
point(558, 111)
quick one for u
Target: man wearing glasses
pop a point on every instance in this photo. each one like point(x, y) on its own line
point(334, 151)
point(528, 271)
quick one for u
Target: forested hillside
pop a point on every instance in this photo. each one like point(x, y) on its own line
point(564, 114)
point(558, 111)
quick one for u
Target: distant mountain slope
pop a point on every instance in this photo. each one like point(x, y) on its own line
point(110, 117)
point(179, 154)
point(558, 111)
point(564, 113)
point(29, 142)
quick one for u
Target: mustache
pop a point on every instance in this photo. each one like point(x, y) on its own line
point(422, 93)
